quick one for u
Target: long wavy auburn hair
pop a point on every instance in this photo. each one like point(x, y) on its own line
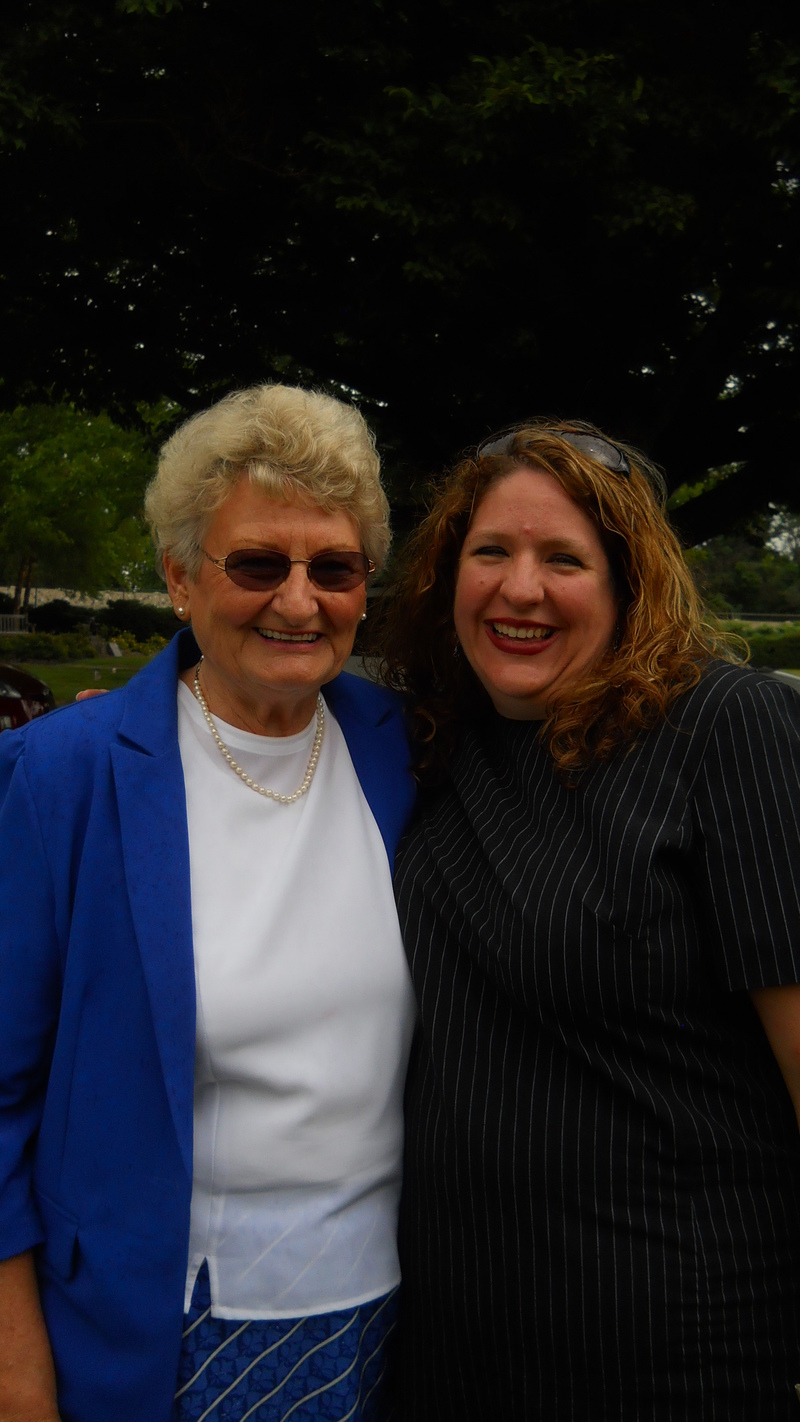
point(663, 639)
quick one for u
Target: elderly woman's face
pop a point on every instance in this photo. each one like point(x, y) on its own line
point(535, 606)
point(266, 654)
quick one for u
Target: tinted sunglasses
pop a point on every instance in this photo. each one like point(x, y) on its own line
point(263, 570)
point(601, 450)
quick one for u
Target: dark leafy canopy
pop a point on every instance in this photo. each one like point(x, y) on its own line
point(463, 212)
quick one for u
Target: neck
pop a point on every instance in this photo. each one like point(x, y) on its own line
point(259, 716)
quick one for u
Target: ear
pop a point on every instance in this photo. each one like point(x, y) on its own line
point(178, 585)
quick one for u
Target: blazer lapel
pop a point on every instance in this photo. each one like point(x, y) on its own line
point(374, 728)
point(152, 809)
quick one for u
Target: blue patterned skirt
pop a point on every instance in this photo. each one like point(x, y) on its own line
point(329, 1366)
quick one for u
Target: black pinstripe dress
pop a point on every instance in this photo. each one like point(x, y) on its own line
point(601, 1218)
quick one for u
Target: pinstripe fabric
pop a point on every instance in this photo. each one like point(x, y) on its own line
point(327, 1367)
point(600, 1218)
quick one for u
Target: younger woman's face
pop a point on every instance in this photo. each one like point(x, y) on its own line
point(535, 606)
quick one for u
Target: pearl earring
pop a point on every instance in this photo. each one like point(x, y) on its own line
point(179, 611)
point(363, 617)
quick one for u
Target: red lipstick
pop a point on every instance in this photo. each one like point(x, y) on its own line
point(520, 646)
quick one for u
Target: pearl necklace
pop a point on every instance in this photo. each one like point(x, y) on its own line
point(237, 769)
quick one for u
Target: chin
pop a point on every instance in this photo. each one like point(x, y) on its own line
point(518, 696)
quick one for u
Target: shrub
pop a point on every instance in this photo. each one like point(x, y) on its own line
point(137, 618)
point(46, 647)
point(128, 643)
point(775, 649)
point(58, 616)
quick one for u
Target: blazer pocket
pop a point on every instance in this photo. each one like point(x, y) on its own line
point(61, 1238)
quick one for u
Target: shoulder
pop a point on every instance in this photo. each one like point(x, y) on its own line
point(69, 742)
point(732, 712)
point(740, 692)
point(62, 738)
point(364, 700)
point(736, 721)
point(52, 771)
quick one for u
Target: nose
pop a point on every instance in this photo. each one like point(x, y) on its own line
point(295, 599)
point(523, 584)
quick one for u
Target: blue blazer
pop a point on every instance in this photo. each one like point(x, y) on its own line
point(97, 1019)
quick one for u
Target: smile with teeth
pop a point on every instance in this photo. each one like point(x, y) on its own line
point(271, 636)
point(539, 634)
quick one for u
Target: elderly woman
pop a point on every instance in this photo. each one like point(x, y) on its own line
point(600, 901)
point(205, 1010)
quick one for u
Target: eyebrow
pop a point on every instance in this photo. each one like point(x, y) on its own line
point(261, 545)
point(491, 535)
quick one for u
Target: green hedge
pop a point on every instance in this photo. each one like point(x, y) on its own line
point(138, 619)
point(46, 647)
point(774, 649)
point(120, 615)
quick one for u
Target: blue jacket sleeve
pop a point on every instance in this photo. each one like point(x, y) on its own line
point(30, 978)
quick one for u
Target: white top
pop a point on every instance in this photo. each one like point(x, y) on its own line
point(304, 1020)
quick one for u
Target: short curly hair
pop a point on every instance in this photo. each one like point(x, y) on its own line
point(292, 443)
point(663, 638)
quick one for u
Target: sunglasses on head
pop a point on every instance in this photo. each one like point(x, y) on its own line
point(263, 569)
point(601, 450)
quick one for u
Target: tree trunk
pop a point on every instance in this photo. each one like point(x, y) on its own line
point(19, 585)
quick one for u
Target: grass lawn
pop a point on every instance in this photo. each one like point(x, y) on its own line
point(67, 678)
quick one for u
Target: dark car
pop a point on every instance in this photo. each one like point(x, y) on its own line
point(22, 697)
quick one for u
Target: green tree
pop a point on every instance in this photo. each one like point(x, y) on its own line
point(751, 568)
point(71, 487)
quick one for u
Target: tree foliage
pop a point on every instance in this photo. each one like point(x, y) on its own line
point(755, 567)
point(71, 488)
point(461, 213)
